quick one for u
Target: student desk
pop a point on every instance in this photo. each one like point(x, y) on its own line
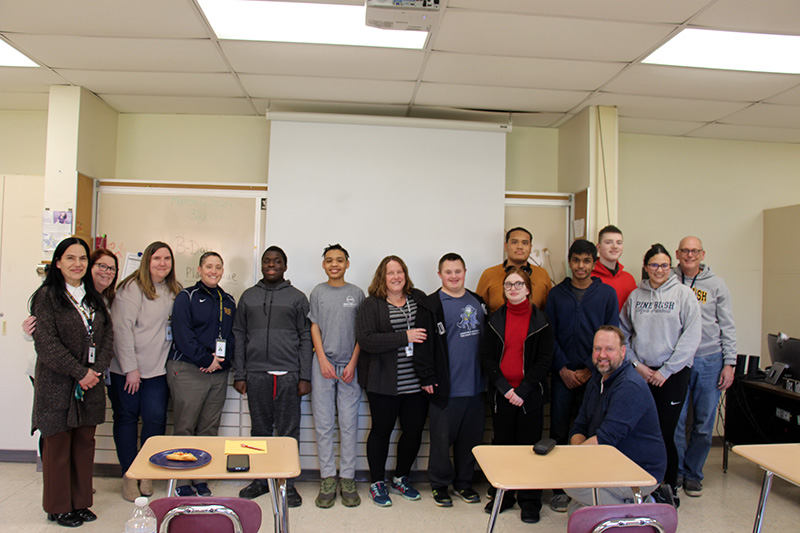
point(281, 461)
point(781, 459)
point(567, 467)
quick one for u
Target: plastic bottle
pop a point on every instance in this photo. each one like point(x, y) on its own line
point(142, 520)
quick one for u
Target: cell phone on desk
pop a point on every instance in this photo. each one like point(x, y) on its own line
point(238, 463)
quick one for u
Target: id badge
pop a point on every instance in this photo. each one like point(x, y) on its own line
point(410, 350)
point(169, 332)
point(220, 348)
point(91, 354)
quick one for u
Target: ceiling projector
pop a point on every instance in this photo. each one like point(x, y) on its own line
point(418, 15)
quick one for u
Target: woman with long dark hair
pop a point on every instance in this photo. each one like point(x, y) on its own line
point(516, 354)
point(142, 338)
point(74, 344)
point(661, 322)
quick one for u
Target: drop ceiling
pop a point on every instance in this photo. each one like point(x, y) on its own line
point(527, 62)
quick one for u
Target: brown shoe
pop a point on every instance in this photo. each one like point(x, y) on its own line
point(130, 489)
point(146, 487)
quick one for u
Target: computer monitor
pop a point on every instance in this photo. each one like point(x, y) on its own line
point(785, 354)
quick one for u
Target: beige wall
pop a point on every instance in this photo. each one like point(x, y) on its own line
point(532, 160)
point(781, 283)
point(23, 142)
point(670, 187)
point(97, 138)
point(194, 148)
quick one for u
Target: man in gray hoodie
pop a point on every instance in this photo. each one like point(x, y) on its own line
point(714, 362)
point(272, 358)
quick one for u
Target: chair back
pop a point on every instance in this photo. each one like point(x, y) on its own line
point(624, 518)
point(206, 515)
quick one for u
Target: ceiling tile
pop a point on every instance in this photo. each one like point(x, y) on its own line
point(155, 83)
point(767, 115)
point(775, 16)
point(747, 133)
point(328, 89)
point(499, 71)
point(533, 36)
point(106, 53)
point(324, 107)
point(28, 79)
point(674, 11)
point(104, 18)
point(681, 109)
point(250, 57)
point(656, 127)
point(790, 97)
point(181, 105)
point(497, 98)
point(700, 83)
point(24, 101)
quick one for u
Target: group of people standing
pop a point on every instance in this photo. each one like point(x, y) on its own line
point(447, 354)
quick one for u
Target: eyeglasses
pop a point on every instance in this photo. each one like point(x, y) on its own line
point(516, 285)
point(656, 266)
point(693, 251)
point(105, 268)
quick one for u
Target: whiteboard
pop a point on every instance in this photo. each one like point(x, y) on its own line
point(191, 224)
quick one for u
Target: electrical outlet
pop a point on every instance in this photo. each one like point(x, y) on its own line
point(783, 414)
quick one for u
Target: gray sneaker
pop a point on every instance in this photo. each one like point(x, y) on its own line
point(559, 502)
point(350, 497)
point(692, 487)
point(327, 493)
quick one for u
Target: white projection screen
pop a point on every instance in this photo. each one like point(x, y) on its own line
point(378, 190)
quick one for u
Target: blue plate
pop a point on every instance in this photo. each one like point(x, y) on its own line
point(160, 459)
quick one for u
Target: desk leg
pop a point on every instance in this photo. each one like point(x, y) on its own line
point(171, 487)
point(637, 494)
point(595, 496)
point(498, 500)
point(280, 511)
point(762, 501)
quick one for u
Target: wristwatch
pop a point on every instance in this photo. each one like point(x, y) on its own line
point(634, 364)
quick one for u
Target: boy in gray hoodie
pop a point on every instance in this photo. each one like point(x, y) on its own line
point(714, 362)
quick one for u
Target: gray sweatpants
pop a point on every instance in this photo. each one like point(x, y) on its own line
point(274, 406)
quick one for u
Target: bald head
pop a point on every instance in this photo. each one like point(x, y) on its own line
point(690, 255)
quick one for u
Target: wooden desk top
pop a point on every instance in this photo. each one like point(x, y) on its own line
point(567, 467)
point(782, 459)
point(282, 459)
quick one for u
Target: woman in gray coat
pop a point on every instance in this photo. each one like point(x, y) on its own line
point(74, 344)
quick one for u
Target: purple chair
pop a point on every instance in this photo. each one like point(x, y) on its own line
point(206, 515)
point(639, 518)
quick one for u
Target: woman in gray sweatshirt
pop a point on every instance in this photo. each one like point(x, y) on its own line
point(662, 325)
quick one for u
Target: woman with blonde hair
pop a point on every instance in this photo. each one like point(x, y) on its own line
point(141, 313)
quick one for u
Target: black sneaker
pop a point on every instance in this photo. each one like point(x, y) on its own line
point(293, 499)
point(184, 491)
point(529, 515)
point(507, 503)
point(202, 489)
point(693, 488)
point(468, 495)
point(254, 490)
point(441, 498)
point(663, 494)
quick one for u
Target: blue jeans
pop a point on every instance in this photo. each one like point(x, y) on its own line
point(149, 403)
point(704, 395)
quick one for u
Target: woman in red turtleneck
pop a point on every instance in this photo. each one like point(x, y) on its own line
point(516, 352)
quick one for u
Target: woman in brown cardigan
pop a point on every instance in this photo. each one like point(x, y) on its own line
point(74, 344)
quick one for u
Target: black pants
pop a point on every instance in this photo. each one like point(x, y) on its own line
point(518, 425)
point(460, 426)
point(669, 402)
point(412, 410)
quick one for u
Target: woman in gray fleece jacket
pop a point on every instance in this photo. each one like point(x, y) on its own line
point(661, 322)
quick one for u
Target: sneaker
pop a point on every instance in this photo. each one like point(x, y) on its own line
point(350, 497)
point(327, 493)
point(202, 489)
point(468, 495)
point(184, 491)
point(529, 515)
point(679, 483)
point(560, 502)
point(403, 487)
point(693, 488)
point(663, 494)
point(490, 493)
point(254, 490)
point(379, 494)
point(507, 503)
point(293, 498)
point(441, 498)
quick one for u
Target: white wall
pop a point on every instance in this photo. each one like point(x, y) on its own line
point(23, 141)
point(670, 187)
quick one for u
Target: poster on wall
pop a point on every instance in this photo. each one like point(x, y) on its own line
point(56, 226)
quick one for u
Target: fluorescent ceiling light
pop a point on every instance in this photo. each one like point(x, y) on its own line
point(11, 57)
point(729, 50)
point(296, 22)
